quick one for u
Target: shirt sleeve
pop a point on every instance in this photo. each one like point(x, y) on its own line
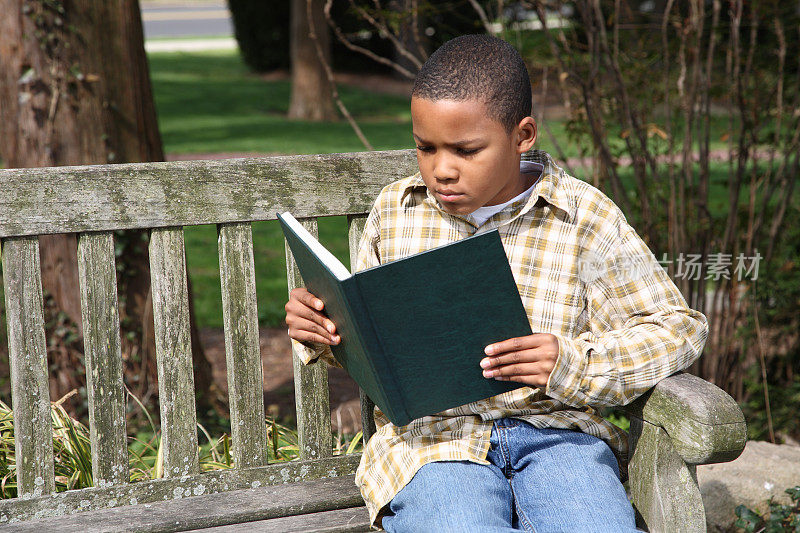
point(640, 331)
point(368, 256)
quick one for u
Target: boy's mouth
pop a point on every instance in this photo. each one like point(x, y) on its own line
point(449, 196)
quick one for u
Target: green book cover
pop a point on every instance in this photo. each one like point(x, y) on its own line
point(413, 330)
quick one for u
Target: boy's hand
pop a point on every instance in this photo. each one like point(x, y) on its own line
point(306, 321)
point(527, 360)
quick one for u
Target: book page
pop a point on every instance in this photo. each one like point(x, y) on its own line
point(327, 258)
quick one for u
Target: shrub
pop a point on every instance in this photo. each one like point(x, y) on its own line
point(778, 518)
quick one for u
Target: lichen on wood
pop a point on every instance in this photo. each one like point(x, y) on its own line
point(242, 348)
point(103, 357)
point(33, 429)
point(312, 398)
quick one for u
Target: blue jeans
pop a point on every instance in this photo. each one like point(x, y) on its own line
point(541, 480)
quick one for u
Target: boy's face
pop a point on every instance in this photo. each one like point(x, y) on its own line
point(467, 159)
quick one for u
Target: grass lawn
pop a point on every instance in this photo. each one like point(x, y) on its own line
point(270, 263)
point(210, 103)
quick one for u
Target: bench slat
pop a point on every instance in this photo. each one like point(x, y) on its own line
point(173, 352)
point(301, 500)
point(33, 427)
point(349, 520)
point(103, 357)
point(242, 350)
point(312, 398)
point(183, 193)
point(355, 227)
point(158, 490)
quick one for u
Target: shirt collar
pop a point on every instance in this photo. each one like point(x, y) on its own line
point(550, 185)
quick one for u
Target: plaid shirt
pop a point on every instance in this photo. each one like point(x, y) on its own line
point(584, 275)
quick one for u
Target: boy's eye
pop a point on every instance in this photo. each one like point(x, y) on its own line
point(425, 148)
point(468, 151)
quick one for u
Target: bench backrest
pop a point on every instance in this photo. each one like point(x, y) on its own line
point(95, 201)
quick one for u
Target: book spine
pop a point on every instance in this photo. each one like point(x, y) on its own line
point(371, 338)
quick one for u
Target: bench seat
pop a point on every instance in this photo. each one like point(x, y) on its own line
point(327, 504)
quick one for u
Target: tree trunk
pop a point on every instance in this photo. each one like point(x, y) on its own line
point(75, 89)
point(311, 91)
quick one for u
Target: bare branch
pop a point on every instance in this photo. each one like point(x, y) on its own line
point(384, 30)
point(561, 155)
point(482, 14)
point(360, 49)
point(674, 236)
point(415, 29)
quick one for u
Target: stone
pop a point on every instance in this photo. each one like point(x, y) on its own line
point(763, 471)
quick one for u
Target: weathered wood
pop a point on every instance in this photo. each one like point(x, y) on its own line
point(103, 358)
point(355, 227)
point(173, 352)
point(146, 492)
point(312, 397)
point(663, 487)
point(209, 510)
point(33, 428)
point(350, 520)
point(242, 349)
point(179, 193)
point(703, 421)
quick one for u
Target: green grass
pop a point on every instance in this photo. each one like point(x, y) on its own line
point(209, 103)
point(270, 265)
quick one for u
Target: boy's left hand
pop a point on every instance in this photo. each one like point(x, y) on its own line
point(527, 360)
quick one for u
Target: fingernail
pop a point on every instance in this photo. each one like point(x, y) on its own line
point(488, 373)
point(319, 305)
point(336, 339)
point(485, 363)
point(489, 350)
point(331, 328)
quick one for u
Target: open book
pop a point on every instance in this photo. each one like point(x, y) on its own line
point(413, 331)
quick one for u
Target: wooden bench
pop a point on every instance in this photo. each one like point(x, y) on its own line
point(682, 422)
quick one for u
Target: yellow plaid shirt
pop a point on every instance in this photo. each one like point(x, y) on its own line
point(584, 275)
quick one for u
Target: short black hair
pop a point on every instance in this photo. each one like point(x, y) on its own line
point(478, 67)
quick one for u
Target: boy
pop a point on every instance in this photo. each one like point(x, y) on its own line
point(539, 457)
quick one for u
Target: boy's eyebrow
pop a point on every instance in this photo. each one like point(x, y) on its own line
point(457, 143)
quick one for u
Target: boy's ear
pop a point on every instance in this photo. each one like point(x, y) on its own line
point(526, 134)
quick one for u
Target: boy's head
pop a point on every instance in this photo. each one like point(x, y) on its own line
point(478, 67)
point(470, 110)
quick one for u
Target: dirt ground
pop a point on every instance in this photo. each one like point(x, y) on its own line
point(276, 363)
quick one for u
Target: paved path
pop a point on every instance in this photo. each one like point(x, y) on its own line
point(186, 19)
point(190, 45)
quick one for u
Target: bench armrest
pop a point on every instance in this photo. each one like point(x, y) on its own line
point(704, 423)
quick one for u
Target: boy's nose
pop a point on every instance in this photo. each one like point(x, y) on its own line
point(444, 169)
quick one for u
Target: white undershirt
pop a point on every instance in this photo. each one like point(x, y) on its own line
point(482, 214)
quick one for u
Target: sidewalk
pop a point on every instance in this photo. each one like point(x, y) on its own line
point(190, 45)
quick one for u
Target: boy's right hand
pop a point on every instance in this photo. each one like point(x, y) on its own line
point(306, 321)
